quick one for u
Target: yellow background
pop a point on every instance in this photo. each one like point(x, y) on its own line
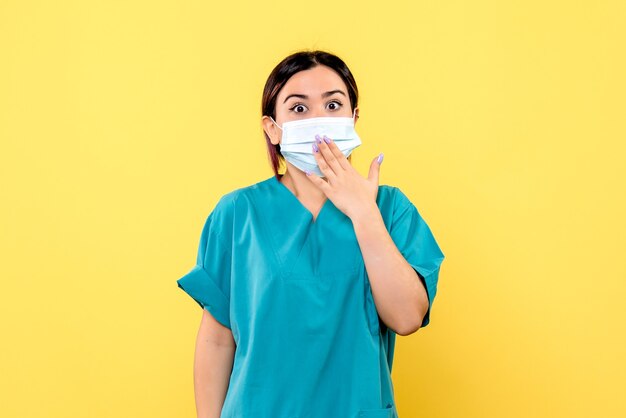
point(123, 122)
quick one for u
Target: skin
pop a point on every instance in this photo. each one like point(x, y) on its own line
point(213, 362)
point(400, 297)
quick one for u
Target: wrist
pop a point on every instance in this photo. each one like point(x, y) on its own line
point(365, 214)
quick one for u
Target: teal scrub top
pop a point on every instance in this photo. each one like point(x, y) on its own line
point(296, 296)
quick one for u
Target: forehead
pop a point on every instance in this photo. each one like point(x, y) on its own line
point(313, 82)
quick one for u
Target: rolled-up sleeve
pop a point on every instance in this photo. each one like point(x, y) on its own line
point(417, 244)
point(208, 282)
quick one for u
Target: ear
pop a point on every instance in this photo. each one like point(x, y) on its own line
point(271, 130)
point(356, 115)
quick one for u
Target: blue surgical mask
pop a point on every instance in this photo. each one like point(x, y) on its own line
point(299, 136)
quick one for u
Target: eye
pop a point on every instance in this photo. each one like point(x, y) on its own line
point(337, 104)
point(297, 106)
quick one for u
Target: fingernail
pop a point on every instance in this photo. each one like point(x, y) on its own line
point(308, 173)
point(317, 137)
point(315, 148)
point(326, 139)
point(380, 158)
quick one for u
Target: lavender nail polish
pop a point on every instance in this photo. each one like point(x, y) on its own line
point(315, 148)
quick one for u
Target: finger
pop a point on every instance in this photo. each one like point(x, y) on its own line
point(318, 181)
point(374, 172)
point(321, 162)
point(330, 158)
point(332, 146)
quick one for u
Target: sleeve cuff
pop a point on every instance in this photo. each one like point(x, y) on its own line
point(201, 287)
point(429, 280)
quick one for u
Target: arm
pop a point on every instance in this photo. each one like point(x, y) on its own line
point(399, 295)
point(215, 350)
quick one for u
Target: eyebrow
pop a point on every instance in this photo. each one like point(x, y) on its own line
point(304, 96)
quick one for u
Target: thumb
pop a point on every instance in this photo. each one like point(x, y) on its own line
point(375, 168)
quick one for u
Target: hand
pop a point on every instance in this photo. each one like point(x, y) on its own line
point(344, 186)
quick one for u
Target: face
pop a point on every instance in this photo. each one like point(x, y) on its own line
point(316, 92)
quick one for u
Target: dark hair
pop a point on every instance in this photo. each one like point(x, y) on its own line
point(296, 62)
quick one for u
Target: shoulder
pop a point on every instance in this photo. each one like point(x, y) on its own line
point(224, 212)
point(392, 199)
point(240, 196)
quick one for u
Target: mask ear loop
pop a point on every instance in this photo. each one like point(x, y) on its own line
point(275, 123)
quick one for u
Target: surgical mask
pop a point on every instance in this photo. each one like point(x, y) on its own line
point(299, 136)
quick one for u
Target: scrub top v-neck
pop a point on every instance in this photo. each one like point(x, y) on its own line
point(295, 293)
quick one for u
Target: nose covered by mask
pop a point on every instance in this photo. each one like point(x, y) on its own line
point(299, 136)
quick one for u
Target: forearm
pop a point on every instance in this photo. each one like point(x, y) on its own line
point(212, 367)
point(400, 297)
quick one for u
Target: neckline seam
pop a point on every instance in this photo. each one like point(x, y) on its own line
point(301, 205)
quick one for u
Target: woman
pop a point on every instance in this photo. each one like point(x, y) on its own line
point(306, 277)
